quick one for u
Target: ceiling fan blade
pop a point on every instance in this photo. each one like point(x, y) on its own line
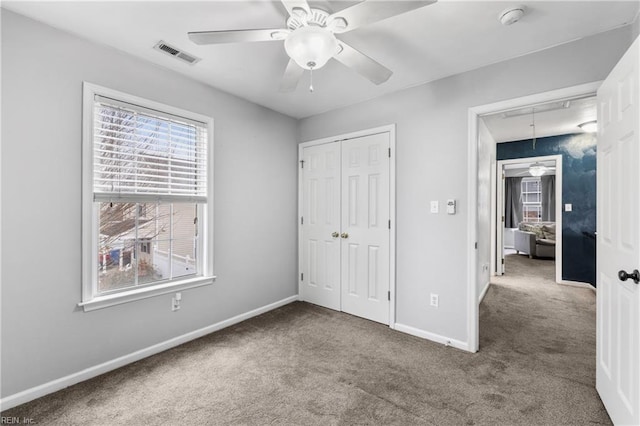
point(362, 64)
point(296, 4)
point(292, 75)
point(237, 36)
point(369, 12)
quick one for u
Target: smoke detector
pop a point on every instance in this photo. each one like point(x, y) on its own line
point(511, 15)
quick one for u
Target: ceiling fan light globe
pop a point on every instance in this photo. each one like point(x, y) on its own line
point(311, 46)
point(537, 170)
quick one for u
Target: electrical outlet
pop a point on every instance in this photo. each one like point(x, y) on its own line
point(175, 302)
point(434, 300)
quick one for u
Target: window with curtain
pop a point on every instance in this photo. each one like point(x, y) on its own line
point(148, 196)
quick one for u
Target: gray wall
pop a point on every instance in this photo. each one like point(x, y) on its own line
point(44, 335)
point(431, 164)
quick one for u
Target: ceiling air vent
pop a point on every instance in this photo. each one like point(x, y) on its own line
point(176, 53)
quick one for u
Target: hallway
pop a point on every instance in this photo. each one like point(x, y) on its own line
point(547, 332)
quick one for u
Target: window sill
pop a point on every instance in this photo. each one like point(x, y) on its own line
point(100, 302)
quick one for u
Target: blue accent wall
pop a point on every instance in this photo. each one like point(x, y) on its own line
point(578, 188)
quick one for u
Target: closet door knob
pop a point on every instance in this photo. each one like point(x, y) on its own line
point(344, 235)
point(335, 234)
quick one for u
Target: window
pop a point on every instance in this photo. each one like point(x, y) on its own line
point(147, 198)
point(531, 199)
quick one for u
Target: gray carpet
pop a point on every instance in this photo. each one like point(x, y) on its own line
point(302, 365)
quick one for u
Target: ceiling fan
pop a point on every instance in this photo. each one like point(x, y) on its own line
point(310, 37)
point(536, 169)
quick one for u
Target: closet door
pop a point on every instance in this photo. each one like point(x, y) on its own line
point(365, 227)
point(320, 263)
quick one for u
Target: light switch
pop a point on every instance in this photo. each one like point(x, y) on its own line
point(435, 207)
point(568, 207)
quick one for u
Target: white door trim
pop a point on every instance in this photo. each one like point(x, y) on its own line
point(558, 159)
point(391, 129)
point(497, 228)
point(473, 329)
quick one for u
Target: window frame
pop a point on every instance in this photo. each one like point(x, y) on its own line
point(525, 204)
point(91, 300)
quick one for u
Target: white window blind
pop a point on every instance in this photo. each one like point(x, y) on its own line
point(146, 155)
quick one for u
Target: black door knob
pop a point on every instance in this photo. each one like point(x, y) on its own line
point(635, 276)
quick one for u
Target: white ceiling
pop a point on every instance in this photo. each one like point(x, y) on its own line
point(555, 118)
point(427, 44)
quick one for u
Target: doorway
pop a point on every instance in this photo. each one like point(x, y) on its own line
point(535, 200)
point(347, 223)
point(479, 249)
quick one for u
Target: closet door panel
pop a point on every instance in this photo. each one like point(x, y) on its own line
point(365, 227)
point(321, 225)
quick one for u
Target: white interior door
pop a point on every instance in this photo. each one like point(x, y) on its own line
point(365, 227)
point(618, 241)
point(500, 220)
point(320, 263)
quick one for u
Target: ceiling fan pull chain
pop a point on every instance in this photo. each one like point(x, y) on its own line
point(533, 124)
point(311, 79)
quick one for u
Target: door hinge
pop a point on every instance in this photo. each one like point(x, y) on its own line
point(389, 296)
point(476, 245)
point(302, 164)
point(301, 277)
point(389, 223)
point(503, 261)
point(301, 220)
point(503, 218)
point(389, 152)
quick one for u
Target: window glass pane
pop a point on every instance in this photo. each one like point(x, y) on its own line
point(183, 253)
point(160, 259)
point(143, 243)
point(148, 271)
point(184, 215)
point(183, 261)
point(532, 213)
point(116, 247)
point(162, 215)
point(531, 198)
point(136, 152)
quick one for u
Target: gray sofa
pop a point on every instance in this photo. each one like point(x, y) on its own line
point(537, 239)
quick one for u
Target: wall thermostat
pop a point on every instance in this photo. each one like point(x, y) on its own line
point(451, 206)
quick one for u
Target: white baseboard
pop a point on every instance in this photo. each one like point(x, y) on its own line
point(432, 336)
point(88, 373)
point(483, 293)
point(577, 284)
